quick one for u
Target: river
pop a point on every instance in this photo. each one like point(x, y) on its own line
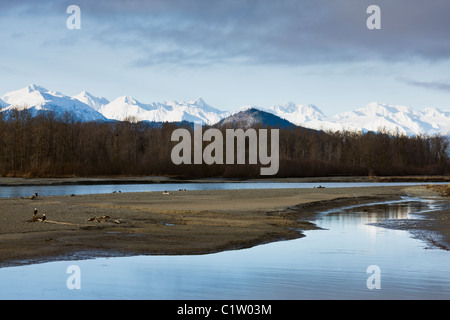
point(55, 190)
point(326, 264)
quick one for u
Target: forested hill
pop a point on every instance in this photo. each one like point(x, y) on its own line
point(254, 117)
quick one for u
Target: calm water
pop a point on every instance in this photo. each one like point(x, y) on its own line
point(26, 191)
point(326, 264)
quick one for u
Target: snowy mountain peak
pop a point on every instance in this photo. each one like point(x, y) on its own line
point(306, 110)
point(34, 87)
point(129, 100)
point(94, 102)
point(126, 107)
point(38, 99)
point(31, 95)
point(39, 90)
point(373, 108)
point(200, 102)
point(86, 94)
point(297, 113)
point(382, 109)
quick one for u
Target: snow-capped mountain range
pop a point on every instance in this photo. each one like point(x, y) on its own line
point(126, 107)
point(373, 117)
point(38, 99)
point(86, 107)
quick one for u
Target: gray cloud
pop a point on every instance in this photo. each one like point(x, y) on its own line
point(286, 32)
point(434, 85)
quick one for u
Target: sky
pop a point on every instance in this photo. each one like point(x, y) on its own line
point(232, 53)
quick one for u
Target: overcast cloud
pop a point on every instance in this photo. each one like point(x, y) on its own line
point(203, 32)
point(232, 52)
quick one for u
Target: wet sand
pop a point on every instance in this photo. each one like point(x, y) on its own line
point(432, 227)
point(181, 222)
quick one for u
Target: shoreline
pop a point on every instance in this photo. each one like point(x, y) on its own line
point(181, 222)
point(56, 181)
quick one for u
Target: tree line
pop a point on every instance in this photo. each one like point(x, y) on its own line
point(45, 145)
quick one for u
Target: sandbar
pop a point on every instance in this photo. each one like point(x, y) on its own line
point(173, 223)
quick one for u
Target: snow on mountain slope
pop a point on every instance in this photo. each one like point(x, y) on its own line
point(373, 117)
point(128, 108)
point(123, 108)
point(38, 99)
point(297, 113)
point(438, 120)
point(405, 120)
point(30, 96)
point(94, 102)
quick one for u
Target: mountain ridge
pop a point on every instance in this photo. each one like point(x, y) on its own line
point(87, 107)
